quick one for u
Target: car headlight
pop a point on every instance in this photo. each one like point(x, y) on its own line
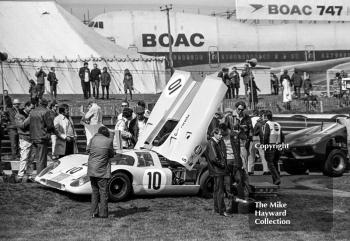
point(49, 168)
point(313, 141)
point(80, 181)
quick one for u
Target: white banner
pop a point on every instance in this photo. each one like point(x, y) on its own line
point(322, 10)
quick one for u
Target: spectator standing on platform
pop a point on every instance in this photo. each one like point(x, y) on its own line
point(40, 75)
point(308, 86)
point(274, 83)
point(23, 123)
point(66, 135)
point(297, 81)
point(217, 165)
point(128, 83)
point(94, 114)
point(100, 151)
point(53, 83)
point(253, 94)
point(287, 89)
point(95, 78)
point(123, 127)
point(235, 82)
point(84, 74)
point(33, 92)
point(247, 75)
point(11, 112)
point(105, 82)
point(41, 127)
point(138, 124)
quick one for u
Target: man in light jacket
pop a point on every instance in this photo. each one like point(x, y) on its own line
point(66, 136)
point(99, 170)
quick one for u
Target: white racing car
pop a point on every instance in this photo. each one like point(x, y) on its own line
point(165, 156)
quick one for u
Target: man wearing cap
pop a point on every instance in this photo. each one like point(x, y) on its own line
point(84, 74)
point(138, 124)
point(123, 127)
point(41, 127)
point(23, 121)
point(11, 113)
point(40, 75)
point(94, 114)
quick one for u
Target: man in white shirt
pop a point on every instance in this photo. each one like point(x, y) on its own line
point(94, 114)
point(122, 126)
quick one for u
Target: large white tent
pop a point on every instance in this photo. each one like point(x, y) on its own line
point(42, 33)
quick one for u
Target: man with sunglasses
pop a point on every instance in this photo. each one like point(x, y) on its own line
point(125, 104)
point(244, 122)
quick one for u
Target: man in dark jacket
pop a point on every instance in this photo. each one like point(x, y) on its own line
point(215, 155)
point(297, 81)
point(247, 75)
point(105, 82)
point(11, 113)
point(40, 75)
point(23, 121)
point(137, 125)
point(95, 78)
point(53, 82)
point(285, 76)
point(41, 125)
point(84, 74)
point(99, 170)
point(235, 82)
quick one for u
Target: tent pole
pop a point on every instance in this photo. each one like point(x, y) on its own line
point(2, 84)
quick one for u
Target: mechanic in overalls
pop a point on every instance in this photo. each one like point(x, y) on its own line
point(270, 136)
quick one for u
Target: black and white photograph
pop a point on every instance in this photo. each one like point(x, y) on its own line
point(175, 120)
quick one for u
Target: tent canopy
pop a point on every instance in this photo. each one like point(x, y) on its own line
point(42, 33)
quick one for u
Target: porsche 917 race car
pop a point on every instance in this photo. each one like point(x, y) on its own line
point(175, 133)
point(137, 172)
point(318, 148)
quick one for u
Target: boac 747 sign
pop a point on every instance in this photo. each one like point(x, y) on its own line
point(331, 10)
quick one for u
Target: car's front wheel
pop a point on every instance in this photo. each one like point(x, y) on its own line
point(119, 187)
point(294, 167)
point(335, 164)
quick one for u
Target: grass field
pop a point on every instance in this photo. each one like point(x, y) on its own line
point(32, 212)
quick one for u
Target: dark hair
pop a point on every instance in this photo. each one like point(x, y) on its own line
point(268, 114)
point(86, 63)
point(216, 131)
point(256, 112)
point(28, 103)
point(127, 112)
point(141, 103)
point(62, 108)
point(52, 104)
point(261, 112)
point(52, 68)
point(242, 103)
point(103, 131)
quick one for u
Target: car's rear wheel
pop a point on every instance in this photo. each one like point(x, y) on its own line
point(206, 183)
point(335, 164)
point(119, 187)
point(294, 167)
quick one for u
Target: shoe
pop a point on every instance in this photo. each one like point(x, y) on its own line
point(240, 200)
point(225, 214)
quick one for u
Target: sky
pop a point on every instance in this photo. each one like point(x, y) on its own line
point(91, 8)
